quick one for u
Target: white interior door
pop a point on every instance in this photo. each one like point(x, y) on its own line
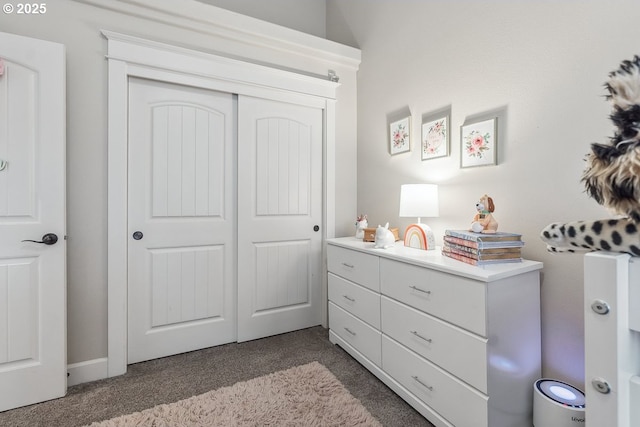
point(279, 215)
point(32, 204)
point(181, 284)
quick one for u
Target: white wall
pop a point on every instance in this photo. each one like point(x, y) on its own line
point(308, 16)
point(77, 25)
point(539, 65)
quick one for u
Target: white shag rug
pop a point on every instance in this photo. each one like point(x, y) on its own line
point(307, 395)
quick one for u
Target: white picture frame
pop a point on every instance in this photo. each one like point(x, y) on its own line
point(400, 136)
point(479, 143)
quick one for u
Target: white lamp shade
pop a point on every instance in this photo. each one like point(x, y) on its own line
point(419, 200)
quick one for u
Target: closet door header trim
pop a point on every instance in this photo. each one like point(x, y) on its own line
point(138, 51)
point(210, 20)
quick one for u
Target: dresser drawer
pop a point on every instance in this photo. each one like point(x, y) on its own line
point(356, 266)
point(358, 334)
point(461, 353)
point(359, 301)
point(460, 404)
point(455, 299)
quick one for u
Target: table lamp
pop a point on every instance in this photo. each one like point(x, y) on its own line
point(419, 200)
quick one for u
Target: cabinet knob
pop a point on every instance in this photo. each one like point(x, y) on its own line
point(601, 385)
point(599, 306)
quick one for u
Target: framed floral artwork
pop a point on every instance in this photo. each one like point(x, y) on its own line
point(435, 138)
point(479, 143)
point(400, 136)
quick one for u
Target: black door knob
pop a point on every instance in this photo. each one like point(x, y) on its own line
point(47, 239)
point(137, 235)
point(316, 228)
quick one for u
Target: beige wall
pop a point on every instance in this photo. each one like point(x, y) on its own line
point(540, 66)
point(303, 15)
point(77, 25)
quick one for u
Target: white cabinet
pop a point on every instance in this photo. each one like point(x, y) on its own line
point(612, 339)
point(460, 343)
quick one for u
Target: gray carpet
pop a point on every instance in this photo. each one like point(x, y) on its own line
point(177, 377)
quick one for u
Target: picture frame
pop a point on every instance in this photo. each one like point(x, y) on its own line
point(400, 136)
point(479, 143)
point(435, 138)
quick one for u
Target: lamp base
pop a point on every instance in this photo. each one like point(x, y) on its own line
point(419, 236)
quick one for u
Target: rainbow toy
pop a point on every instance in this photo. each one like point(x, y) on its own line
point(419, 236)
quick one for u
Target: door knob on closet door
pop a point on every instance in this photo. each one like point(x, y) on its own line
point(316, 228)
point(137, 235)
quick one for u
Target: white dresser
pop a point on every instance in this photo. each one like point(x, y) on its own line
point(459, 343)
point(612, 339)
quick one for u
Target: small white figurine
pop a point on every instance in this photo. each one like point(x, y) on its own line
point(384, 238)
point(361, 224)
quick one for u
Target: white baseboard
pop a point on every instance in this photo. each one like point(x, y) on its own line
point(84, 372)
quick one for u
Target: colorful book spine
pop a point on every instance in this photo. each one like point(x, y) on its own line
point(483, 245)
point(484, 237)
point(506, 253)
point(476, 262)
point(486, 251)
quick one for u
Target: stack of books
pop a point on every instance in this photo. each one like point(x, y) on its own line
point(482, 249)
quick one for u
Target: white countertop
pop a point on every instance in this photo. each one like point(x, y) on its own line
point(435, 260)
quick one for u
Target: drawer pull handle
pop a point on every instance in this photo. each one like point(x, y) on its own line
point(428, 387)
point(429, 340)
point(347, 265)
point(420, 290)
point(347, 297)
point(350, 331)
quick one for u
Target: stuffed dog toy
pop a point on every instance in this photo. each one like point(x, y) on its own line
point(611, 177)
point(483, 221)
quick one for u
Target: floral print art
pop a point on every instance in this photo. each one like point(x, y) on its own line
point(400, 136)
point(434, 139)
point(477, 143)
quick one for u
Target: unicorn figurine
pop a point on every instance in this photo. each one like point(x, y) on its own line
point(361, 224)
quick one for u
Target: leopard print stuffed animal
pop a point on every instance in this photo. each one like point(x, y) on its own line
point(616, 235)
point(611, 177)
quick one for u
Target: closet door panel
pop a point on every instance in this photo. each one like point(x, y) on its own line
point(182, 263)
point(279, 207)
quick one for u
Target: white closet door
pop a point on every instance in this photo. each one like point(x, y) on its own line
point(181, 285)
point(279, 215)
